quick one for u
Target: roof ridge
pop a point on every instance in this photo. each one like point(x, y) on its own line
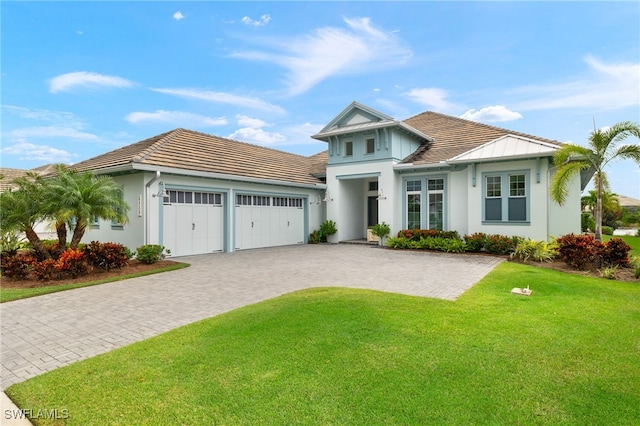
point(142, 155)
point(489, 126)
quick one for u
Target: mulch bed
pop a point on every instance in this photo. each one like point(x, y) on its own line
point(622, 274)
point(132, 268)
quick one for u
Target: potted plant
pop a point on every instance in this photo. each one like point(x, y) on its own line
point(381, 230)
point(328, 227)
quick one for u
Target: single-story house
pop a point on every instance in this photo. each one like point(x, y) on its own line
point(197, 193)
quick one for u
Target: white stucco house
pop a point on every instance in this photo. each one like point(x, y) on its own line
point(196, 193)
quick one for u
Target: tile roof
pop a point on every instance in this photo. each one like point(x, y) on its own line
point(8, 175)
point(194, 151)
point(453, 136)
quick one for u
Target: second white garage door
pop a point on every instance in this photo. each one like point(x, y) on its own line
point(263, 221)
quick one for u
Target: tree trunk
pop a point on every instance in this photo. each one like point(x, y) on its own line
point(598, 215)
point(61, 230)
point(78, 233)
point(36, 243)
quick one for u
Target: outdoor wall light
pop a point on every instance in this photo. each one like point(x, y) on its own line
point(161, 193)
point(327, 197)
point(381, 195)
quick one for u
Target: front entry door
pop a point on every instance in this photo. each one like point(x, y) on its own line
point(372, 211)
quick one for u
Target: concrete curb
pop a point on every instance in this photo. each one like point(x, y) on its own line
point(11, 414)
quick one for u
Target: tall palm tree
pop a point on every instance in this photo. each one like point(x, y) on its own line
point(603, 147)
point(79, 197)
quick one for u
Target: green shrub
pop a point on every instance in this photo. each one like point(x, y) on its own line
point(538, 251)
point(449, 245)
point(11, 242)
point(401, 243)
point(328, 227)
point(381, 230)
point(151, 253)
point(609, 272)
point(475, 242)
point(500, 244)
point(587, 222)
point(635, 264)
point(607, 230)
point(314, 237)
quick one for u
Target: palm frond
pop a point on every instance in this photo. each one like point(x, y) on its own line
point(560, 181)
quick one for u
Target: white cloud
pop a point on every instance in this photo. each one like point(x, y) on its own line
point(301, 134)
point(221, 97)
point(66, 82)
point(496, 113)
point(28, 151)
point(431, 97)
point(263, 20)
point(52, 132)
point(178, 16)
point(604, 86)
point(328, 51)
point(178, 118)
point(254, 123)
point(60, 117)
point(258, 136)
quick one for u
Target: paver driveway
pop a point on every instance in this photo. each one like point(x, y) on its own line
point(46, 332)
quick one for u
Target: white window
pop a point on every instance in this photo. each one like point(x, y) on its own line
point(506, 197)
point(414, 196)
point(371, 146)
point(348, 149)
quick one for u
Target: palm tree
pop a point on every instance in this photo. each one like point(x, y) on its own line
point(603, 147)
point(78, 197)
point(23, 207)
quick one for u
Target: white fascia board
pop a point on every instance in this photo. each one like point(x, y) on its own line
point(505, 158)
point(372, 126)
point(110, 170)
point(412, 166)
point(222, 176)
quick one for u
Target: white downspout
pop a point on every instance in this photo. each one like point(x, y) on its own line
point(147, 214)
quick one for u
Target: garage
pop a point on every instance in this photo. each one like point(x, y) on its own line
point(193, 222)
point(267, 221)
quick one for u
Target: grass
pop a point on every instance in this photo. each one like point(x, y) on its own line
point(10, 294)
point(568, 354)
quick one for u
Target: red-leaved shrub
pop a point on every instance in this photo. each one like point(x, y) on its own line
point(73, 263)
point(106, 256)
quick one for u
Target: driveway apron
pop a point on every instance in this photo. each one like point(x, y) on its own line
point(47, 332)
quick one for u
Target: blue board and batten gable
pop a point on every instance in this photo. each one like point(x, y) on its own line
point(362, 134)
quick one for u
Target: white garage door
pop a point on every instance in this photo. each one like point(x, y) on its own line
point(193, 222)
point(263, 221)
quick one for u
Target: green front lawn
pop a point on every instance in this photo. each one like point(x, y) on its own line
point(568, 354)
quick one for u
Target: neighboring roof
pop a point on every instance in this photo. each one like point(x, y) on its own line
point(628, 202)
point(8, 175)
point(452, 137)
point(188, 150)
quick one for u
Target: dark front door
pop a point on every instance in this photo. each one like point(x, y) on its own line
point(372, 211)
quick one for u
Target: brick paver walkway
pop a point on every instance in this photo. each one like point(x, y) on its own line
point(46, 332)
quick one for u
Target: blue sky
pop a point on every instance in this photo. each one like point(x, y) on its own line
point(83, 78)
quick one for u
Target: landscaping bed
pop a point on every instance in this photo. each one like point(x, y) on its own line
point(134, 267)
